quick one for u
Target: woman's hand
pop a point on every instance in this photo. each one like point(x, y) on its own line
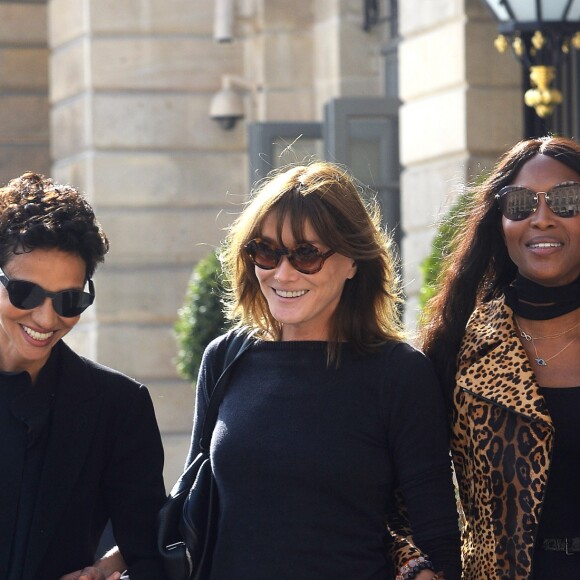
point(91, 573)
point(109, 567)
point(428, 575)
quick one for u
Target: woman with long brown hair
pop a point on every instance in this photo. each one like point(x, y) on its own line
point(329, 413)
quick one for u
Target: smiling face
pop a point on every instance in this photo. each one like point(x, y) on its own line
point(302, 303)
point(27, 336)
point(544, 247)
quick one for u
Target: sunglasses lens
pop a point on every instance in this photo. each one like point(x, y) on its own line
point(517, 203)
point(306, 259)
point(69, 303)
point(262, 254)
point(564, 200)
point(25, 295)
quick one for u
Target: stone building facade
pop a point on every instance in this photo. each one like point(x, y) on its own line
point(114, 97)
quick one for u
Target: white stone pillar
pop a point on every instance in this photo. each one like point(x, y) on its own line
point(131, 84)
point(461, 109)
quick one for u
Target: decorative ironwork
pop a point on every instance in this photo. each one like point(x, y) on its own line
point(541, 34)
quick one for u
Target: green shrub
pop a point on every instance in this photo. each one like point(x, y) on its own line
point(201, 318)
point(441, 245)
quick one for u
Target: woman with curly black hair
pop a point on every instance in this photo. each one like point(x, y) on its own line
point(79, 442)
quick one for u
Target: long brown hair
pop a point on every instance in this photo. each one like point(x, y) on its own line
point(479, 266)
point(328, 198)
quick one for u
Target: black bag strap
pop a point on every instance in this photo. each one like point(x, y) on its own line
point(239, 342)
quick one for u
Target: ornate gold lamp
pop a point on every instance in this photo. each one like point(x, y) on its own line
point(541, 33)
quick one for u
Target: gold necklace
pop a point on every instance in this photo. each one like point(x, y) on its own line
point(543, 362)
point(528, 337)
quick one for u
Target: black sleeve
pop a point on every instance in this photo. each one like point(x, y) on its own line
point(418, 443)
point(134, 488)
point(212, 363)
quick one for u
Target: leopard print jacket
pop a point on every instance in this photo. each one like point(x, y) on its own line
point(502, 440)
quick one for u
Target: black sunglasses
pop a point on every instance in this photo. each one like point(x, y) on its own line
point(305, 257)
point(518, 203)
point(28, 295)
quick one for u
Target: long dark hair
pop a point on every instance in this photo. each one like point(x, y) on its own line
point(479, 266)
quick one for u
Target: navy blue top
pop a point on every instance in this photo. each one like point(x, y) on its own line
point(307, 457)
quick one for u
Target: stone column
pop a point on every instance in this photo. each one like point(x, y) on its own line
point(462, 107)
point(24, 117)
point(131, 84)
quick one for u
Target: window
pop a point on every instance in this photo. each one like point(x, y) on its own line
point(273, 145)
point(359, 132)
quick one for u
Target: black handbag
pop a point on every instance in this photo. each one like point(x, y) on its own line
point(188, 519)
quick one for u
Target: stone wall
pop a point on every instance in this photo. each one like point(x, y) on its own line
point(24, 111)
point(122, 94)
point(130, 87)
point(130, 91)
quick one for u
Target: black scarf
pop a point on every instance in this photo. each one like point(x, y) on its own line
point(536, 302)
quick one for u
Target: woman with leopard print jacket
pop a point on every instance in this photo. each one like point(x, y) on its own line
point(503, 334)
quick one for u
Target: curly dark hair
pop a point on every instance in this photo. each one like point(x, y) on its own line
point(478, 267)
point(37, 213)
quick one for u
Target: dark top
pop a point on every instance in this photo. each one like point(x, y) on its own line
point(25, 413)
point(560, 515)
point(561, 510)
point(100, 457)
point(306, 459)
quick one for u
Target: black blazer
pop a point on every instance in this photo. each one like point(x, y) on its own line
point(104, 459)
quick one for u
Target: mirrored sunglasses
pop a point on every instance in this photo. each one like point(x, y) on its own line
point(518, 203)
point(305, 257)
point(28, 295)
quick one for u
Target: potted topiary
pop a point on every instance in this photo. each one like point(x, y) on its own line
point(442, 243)
point(201, 318)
